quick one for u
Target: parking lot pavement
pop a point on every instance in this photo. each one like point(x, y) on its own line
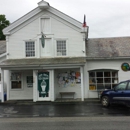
point(68, 109)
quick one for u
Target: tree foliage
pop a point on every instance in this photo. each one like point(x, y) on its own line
point(3, 23)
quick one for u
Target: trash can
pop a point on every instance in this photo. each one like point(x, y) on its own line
point(5, 97)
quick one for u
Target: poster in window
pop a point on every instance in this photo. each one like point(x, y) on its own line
point(69, 78)
point(78, 77)
point(29, 81)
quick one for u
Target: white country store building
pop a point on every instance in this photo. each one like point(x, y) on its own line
point(63, 61)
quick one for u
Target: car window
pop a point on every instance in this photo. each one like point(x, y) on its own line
point(128, 86)
point(121, 86)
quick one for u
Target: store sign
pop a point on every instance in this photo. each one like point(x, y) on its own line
point(43, 84)
point(125, 67)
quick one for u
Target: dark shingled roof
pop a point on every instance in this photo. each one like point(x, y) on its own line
point(2, 47)
point(43, 61)
point(108, 47)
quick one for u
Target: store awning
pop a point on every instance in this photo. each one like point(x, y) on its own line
point(36, 62)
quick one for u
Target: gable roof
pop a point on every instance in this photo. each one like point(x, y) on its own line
point(36, 11)
point(2, 47)
point(108, 47)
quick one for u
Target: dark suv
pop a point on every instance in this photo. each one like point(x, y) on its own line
point(119, 94)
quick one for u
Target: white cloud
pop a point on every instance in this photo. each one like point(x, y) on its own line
point(105, 18)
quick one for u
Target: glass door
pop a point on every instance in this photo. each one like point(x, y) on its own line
point(43, 86)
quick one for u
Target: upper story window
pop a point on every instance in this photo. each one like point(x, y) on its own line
point(45, 25)
point(61, 48)
point(30, 48)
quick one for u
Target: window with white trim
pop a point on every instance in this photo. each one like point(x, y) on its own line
point(102, 79)
point(30, 48)
point(61, 48)
point(16, 80)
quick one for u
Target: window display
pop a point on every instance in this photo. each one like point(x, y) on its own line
point(69, 78)
point(102, 79)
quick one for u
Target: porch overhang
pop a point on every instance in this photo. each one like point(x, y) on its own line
point(40, 63)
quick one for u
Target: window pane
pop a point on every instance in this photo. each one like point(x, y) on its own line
point(107, 80)
point(115, 80)
point(113, 85)
point(107, 74)
point(107, 86)
point(92, 87)
point(128, 86)
point(16, 84)
point(61, 48)
point(30, 49)
point(121, 86)
point(92, 80)
point(100, 86)
point(91, 74)
point(114, 74)
point(99, 80)
point(99, 74)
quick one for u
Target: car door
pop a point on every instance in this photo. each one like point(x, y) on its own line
point(119, 93)
point(127, 94)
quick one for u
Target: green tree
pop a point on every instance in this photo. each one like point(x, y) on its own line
point(3, 23)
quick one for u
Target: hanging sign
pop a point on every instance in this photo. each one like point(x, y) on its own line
point(125, 67)
point(43, 84)
point(43, 40)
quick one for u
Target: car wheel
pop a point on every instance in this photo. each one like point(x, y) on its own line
point(105, 101)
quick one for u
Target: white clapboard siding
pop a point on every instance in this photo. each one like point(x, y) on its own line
point(75, 43)
point(54, 30)
point(25, 92)
point(17, 40)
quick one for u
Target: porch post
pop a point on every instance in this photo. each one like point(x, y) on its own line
point(82, 84)
point(53, 92)
point(34, 85)
point(7, 75)
point(2, 85)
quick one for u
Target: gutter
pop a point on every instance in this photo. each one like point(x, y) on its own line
point(107, 58)
point(2, 55)
point(42, 66)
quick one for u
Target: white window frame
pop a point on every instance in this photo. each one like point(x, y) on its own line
point(60, 39)
point(16, 89)
point(30, 50)
point(111, 77)
point(40, 24)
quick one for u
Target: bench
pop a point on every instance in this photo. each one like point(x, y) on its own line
point(67, 93)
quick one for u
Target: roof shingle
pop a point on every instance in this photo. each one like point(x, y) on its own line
point(108, 47)
point(2, 47)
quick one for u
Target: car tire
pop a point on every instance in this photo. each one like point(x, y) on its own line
point(105, 101)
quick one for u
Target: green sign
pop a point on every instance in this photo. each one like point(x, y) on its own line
point(43, 84)
point(43, 40)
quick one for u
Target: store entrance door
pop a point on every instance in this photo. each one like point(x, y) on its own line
point(43, 86)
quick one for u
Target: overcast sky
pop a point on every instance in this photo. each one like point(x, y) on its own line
point(105, 18)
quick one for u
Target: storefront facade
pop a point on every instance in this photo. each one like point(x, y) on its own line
point(44, 83)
